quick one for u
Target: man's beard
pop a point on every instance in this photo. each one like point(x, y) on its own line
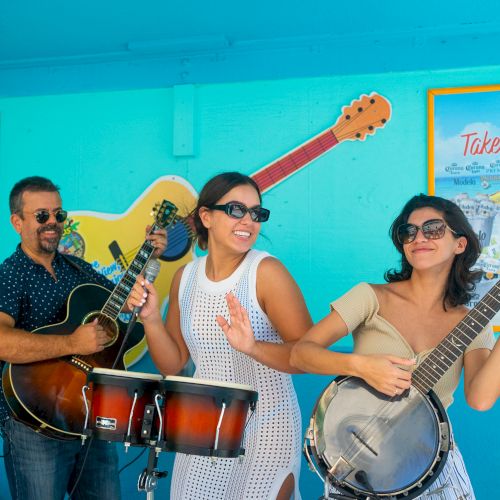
point(49, 245)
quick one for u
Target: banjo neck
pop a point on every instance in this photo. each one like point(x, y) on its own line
point(442, 357)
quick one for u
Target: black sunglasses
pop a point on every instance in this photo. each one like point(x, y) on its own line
point(238, 211)
point(432, 229)
point(43, 215)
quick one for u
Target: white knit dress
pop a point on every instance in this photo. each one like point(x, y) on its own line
point(273, 436)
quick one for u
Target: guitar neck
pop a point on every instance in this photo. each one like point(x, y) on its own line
point(120, 294)
point(454, 344)
point(358, 120)
point(270, 175)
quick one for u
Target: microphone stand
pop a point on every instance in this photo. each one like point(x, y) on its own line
point(130, 327)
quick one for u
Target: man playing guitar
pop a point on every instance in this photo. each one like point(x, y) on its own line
point(36, 282)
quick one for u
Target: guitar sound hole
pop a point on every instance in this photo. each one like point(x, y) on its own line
point(109, 324)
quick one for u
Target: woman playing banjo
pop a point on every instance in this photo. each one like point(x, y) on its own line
point(396, 325)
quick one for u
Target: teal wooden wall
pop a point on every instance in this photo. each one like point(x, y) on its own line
point(329, 222)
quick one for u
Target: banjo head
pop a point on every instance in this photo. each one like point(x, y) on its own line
point(365, 442)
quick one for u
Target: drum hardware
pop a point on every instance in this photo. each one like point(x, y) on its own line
point(86, 432)
point(128, 437)
point(253, 406)
point(217, 431)
point(147, 422)
point(159, 441)
point(148, 479)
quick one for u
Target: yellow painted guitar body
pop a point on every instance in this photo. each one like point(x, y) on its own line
point(110, 241)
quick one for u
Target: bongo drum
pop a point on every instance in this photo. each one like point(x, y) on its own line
point(204, 417)
point(118, 402)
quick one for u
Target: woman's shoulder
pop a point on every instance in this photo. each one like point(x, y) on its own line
point(270, 268)
point(396, 289)
point(272, 278)
point(268, 261)
point(176, 279)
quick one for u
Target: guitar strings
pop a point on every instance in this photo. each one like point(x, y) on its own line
point(104, 319)
point(455, 343)
point(354, 449)
point(385, 411)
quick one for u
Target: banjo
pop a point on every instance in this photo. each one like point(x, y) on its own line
point(372, 446)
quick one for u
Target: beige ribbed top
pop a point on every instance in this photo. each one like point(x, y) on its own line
point(373, 334)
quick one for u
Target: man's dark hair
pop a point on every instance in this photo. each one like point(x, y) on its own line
point(33, 184)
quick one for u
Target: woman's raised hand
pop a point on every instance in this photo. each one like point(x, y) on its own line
point(238, 330)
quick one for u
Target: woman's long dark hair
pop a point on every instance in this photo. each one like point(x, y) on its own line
point(211, 193)
point(461, 280)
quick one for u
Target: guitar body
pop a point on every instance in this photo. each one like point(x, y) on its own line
point(369, 445)
point(47, 395)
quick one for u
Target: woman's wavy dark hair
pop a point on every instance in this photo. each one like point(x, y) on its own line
point(211, 193)
point(461, 280)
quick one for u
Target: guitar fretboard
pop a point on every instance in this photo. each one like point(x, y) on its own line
point(454, 344)
point(287, 165)
point(120, 294)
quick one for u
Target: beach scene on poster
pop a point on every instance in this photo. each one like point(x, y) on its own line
point(467, 170)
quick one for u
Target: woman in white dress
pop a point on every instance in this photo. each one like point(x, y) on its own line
point(237, 313)
point(395, 326)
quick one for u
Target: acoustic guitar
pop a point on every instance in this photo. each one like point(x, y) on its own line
point(47, 395)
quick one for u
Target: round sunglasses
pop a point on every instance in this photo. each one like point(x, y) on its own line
point(43, 215)
point(239, 210)
point(432, 229)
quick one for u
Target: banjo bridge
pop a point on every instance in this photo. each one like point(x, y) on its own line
point(364, 443)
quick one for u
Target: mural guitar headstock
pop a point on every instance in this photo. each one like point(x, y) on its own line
point(362, 117)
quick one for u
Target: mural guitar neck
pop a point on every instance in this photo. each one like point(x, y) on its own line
point(358, 120)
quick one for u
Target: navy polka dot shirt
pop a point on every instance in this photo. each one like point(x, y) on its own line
point(31, 296)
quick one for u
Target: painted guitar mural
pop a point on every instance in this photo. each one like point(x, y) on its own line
point(108, 241)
